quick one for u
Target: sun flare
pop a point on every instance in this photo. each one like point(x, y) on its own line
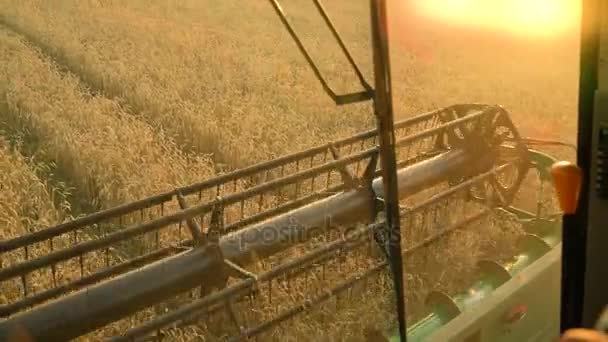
point(529, 17)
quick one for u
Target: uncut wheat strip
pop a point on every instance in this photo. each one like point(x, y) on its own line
point(26, 205)
point(113, 157)
point(210, 80)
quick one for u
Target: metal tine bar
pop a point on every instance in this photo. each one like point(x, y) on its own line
point(24, 284)
point(242, 208)
point(297, 194)
point(195, 229)
point(157, 239)
point(81, 262)
point(269, 295)
point(279, 189)
point(260, 204)
point(160, 199)
point(53, 266)
point(361, 148)
point(107, 249)
point(179, 230)
point(336, 35)
point(312, 180)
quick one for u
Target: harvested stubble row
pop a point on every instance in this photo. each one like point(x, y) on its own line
point(207, 89)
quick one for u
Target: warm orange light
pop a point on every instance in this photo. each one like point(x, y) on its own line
point(567, 179)
point(530, 17)
point(578, 335)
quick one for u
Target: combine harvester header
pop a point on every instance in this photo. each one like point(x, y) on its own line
point(243, 253)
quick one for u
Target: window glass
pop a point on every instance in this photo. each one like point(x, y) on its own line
point(107, 104)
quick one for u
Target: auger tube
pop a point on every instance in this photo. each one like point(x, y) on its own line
point(89, 309)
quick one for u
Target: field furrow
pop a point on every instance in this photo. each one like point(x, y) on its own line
point(233, 77)
point(208, 90)
point(110, 156)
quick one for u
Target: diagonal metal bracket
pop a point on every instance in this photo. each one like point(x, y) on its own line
point(195, 230)
point(239, 272)
point(352, 182)
point(349, 181)
point(236, 271)
point(366, 180)
point(370, 170)
point(227, 268)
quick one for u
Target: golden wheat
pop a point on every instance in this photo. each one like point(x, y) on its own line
point(26, 205)
point(240, 89)
point(110, 155)
point(193, 82)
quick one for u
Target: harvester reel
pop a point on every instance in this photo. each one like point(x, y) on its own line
point(321, 205)
point(491, 135)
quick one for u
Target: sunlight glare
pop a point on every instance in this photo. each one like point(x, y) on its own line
point(520, 16)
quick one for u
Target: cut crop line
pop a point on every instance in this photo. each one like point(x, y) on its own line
point(95, 86)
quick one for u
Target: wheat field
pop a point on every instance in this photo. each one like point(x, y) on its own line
point(104, 101)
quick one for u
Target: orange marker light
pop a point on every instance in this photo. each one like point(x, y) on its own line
point(567, 179)
point(515, 314)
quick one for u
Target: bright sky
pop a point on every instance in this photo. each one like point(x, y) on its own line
point(529, 17)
